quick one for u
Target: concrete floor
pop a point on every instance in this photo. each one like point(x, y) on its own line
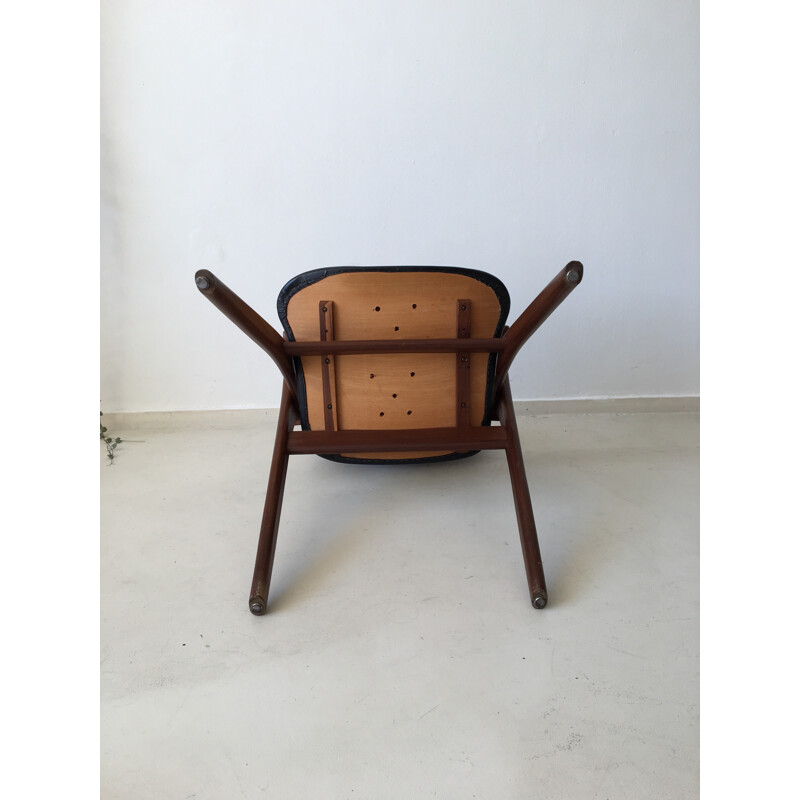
point(401, 657)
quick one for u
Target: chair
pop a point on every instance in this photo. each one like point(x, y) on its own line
point(388, 365)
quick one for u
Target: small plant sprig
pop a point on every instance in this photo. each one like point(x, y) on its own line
point(111, 443)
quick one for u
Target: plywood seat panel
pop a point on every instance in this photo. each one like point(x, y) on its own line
point(402, 390)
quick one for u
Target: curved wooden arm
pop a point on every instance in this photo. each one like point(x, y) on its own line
point(248, 320)
point(549, 299)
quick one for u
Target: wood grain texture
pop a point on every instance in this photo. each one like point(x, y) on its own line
point(463, 361)
point(395, 391)
point(328, 368)
point(484, 437)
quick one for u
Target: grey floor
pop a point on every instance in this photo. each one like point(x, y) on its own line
point(401, 657)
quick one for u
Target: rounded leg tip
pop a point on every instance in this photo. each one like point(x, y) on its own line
point(258, 606)
point(539, 601)
point(574, 272)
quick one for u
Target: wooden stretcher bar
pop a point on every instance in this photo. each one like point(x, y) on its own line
point(482, 437)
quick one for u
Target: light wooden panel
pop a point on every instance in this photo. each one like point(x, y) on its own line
point(377, 392)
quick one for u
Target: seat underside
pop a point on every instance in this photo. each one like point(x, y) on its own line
point(393, 391)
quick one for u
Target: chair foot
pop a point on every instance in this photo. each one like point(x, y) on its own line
point(531, 554)
point(268, 536)
point(258, 606)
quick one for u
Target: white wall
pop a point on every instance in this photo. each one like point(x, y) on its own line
point(262, 139)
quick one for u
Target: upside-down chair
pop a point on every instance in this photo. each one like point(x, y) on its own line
point(391, 365)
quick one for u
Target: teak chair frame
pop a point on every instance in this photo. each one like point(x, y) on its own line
point(288, 441)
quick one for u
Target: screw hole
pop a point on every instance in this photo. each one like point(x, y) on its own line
point(396, 328)
point(377, 308)
point(394, 395)
point(381, 414)
point(408, 412)
point(371, 376)
point(413, 374)
point(413, 305)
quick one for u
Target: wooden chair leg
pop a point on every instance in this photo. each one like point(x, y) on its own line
point(522, 500)
point(265, 555)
